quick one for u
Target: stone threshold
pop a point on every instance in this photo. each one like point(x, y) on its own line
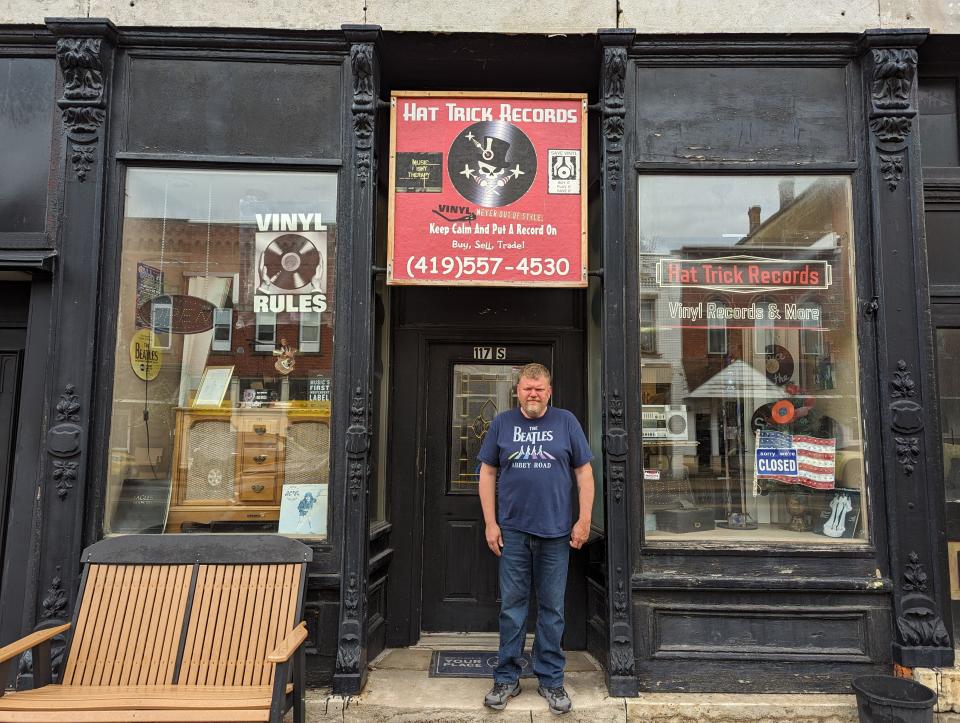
point(399, 690)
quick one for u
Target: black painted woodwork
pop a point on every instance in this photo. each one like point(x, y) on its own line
point(26, 122)
point(620, 387)
point(509, 317)
point(235, 108)
point(85, 52)
point(758, 126)
point(353, 361)
point(459, 586)
point(939, 132)
point(912, 460)
point(12, 348)
point(673, 580)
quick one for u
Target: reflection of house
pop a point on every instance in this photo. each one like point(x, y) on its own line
point(811, 225)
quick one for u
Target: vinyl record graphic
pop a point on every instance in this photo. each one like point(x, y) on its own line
point(779, 364)
point(492, 163)
point(762, 417)
point(782, 412)
point(290, 261)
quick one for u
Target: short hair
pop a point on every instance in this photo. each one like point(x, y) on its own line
point(534, 371)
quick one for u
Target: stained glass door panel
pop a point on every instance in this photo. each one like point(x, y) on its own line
point(480, 392)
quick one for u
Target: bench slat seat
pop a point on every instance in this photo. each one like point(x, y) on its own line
point(163, 632)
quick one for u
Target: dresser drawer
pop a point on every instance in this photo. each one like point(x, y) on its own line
point(258, 488)
point(258, 425)
point(252, 440)
point(255, 459)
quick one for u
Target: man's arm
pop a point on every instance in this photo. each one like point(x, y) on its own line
point(488, 501)
point(581, 530)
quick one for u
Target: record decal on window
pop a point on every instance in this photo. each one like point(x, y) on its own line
point(291, 262)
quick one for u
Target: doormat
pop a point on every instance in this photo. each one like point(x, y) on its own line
point(471, 664)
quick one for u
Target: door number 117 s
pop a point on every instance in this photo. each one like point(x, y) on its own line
point(489, 352)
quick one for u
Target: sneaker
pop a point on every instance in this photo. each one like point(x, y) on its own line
point(500, 693)
point(557, 699)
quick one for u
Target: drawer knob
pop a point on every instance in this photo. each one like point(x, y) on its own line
point(260, 428)
point(258, 488)
point(260, 458)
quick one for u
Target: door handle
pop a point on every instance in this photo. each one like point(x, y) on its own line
point(420, 455)
point(258, 488)
point(260, 429)
point(260, 458)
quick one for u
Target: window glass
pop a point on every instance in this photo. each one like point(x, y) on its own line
point(224, 356)
point(751, 420)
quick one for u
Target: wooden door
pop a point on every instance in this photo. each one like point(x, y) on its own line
point(467, 385)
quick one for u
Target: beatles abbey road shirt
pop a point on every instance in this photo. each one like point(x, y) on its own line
point(536, 458)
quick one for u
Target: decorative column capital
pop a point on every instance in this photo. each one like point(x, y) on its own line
point(84, 48)
point(891, 60)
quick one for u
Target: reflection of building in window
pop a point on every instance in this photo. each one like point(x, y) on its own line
point(222, 329)
point(811, 328)
point(648, 328)
point(310, 331)
point(764, 328)
point(266, 338)
point(717, 331)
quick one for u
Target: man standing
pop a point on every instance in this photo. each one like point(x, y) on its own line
point(539, 450)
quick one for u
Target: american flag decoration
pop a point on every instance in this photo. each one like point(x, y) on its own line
point(816, 458)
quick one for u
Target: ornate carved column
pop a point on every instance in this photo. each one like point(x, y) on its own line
point(356, 365)
point(621, 667)
point(85, 51)
point(910, 437)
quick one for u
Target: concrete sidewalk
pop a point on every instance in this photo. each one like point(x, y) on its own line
point(399, 690)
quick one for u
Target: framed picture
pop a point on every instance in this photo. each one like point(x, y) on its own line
point(303, 509)
point(213, 386)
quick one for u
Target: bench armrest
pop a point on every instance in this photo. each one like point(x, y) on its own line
point(32, 640)
point(288, 646)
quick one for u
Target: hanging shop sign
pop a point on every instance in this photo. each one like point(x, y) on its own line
point(796, 459)
point(488, 189)
point(145, 358)
point(176, 314)
point(746, 274)
point(289, 273)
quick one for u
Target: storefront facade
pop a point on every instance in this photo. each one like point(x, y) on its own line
point(195, 251)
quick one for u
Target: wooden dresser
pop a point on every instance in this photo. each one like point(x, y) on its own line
point(230, 465)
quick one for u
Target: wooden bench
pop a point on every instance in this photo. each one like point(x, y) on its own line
point(175, 628)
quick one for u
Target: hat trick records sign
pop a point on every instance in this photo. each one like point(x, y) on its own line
point(487, 189)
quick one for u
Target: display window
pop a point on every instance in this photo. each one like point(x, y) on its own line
point(224, 354)
point(751, 413)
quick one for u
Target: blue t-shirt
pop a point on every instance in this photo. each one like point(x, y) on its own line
point(536, 458)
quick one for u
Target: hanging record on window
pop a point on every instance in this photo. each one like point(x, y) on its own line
point(779, 364)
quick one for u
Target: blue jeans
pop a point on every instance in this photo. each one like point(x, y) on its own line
point(526, 562)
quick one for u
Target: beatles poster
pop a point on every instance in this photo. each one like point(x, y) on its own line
point(487, 189)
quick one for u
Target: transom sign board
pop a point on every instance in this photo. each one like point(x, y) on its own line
point(488, 189)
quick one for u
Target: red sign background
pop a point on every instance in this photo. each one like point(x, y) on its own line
point(539, 239)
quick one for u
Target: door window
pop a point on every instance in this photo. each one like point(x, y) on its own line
point(480, 392)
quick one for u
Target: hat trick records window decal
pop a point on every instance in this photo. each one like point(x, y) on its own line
point(487, 189)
